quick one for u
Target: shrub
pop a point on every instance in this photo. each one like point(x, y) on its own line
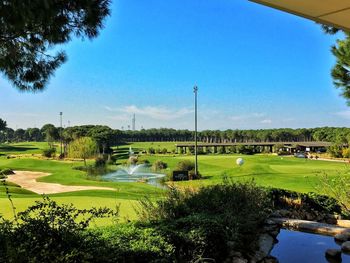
point(49, 232)
point(143, 162)
point(100, 162)
point(187, 165)
point(335, 151)
point(6, 171)
point(346, 152)
point(336, 187)
point(151, 150)
point(49, 152)
point(132, 160)
point(159, 165)
point(221, 150)
point(134, 243)
point(282, 198)
point(209, 222)
point(164, 151)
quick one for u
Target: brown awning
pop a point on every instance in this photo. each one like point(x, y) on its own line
point(330, 12)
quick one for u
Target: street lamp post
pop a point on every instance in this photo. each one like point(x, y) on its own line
point(195, 90)
point(61, 133)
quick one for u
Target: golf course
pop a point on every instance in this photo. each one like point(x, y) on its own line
point(297, 174)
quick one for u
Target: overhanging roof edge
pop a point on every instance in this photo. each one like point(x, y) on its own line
point(316, 19)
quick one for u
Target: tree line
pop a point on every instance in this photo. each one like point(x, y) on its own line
point(107, 137)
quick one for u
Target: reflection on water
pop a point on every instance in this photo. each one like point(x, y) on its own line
point(299, 247)
point(135, 173)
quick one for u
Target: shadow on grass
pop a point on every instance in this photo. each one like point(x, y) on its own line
point(9, 148)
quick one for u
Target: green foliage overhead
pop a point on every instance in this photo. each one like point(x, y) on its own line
point(341, 69)
point(30, 29)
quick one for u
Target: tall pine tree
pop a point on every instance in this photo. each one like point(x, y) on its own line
point(31, 29)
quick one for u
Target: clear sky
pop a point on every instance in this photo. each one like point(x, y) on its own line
point(255, 68)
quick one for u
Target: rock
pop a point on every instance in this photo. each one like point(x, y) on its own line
point(274, 233)
point(309, 216)
point(239, 260)
point(270, 259)
point(283, 212)
point(275, 214)
point(208, 260)
point(342, 237)
point(270, 228)
point(345, 247)
point(265, 246)
point(236, 254)
point(333, 253)
point(331, 221)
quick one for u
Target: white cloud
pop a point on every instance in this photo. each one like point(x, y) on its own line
point(344, 114)
point(266, 121)
point(258, 115)
point(121, 117)
point(109, 108)
point(157, 113)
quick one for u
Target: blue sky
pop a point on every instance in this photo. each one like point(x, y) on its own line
point(255, 68)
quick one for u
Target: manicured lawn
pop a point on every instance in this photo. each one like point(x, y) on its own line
point(127, 211)
point(267, 170)
point(23, 148)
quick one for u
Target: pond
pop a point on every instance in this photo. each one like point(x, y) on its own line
point(135, 173)
point(300, 247)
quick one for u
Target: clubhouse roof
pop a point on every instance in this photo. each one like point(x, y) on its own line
point(334, 13)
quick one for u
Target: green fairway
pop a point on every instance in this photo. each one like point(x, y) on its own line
point(127, 211)
point(23, 148)
point(267, 170)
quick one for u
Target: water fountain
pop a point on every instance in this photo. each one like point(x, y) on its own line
point(133, 173)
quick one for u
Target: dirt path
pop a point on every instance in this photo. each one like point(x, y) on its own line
point(27, 180)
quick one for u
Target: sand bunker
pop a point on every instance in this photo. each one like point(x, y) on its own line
point(27, 180)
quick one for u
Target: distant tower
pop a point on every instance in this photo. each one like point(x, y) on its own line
point(133, 122)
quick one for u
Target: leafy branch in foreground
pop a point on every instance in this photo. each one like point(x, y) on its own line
point(50, 232)
point(337, 186)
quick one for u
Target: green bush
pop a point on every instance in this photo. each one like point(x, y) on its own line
point(164, 151)
point(100, 162)
point(321, 203)
point(187, 165)
point(49, 152)
point(151, 150)
point(6, 171)
point(159, 165)
point(210, 222)
point(134, 243)
point(49, 232)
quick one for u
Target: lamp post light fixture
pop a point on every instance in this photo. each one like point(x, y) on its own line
point(195, 90)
